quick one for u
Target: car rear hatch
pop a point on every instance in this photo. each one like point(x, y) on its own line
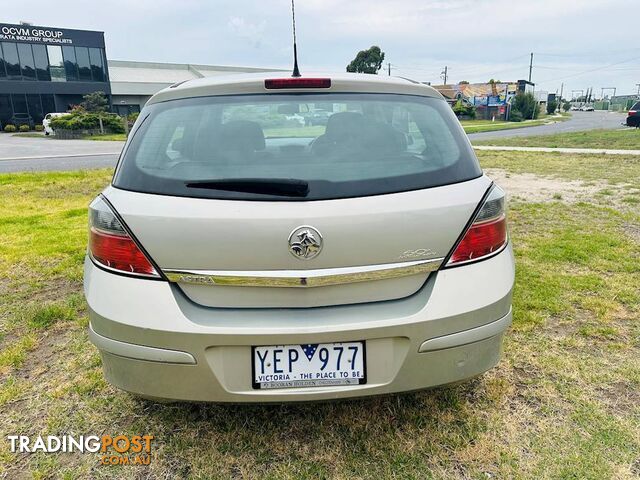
point(217, 250)
point(241, 204)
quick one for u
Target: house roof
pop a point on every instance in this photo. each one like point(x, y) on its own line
point(470, 90)
point(447, 91)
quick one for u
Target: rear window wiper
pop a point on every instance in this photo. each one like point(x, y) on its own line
point(287, 187)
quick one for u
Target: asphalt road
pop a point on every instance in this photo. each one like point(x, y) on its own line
point(579, 121)
point(23, 154)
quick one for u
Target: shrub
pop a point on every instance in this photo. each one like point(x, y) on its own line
point(39, 128)
point(526, 104)
point(462, 109)
point(515, 115)
point(81, 120)
point(10, 128)
point(24, 128)
point(551, 107)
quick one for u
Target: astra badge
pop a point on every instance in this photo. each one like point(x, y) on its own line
point(305, 242)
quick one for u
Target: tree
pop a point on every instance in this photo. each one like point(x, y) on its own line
point(367, 61)
point(463, 82)
point(95, 102)
point(526, 106)
point(494, 81)
point(566, 106)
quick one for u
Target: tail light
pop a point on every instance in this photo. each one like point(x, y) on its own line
point(487, 234)
point(297, 82)
point(632, 112)
point(111, 245)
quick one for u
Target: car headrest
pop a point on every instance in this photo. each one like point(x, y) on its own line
point(240, 135)
point(344, 124)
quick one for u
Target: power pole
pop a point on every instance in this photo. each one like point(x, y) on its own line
point(444, 74)
point(560, 99)
point(389, 64)
point(530, 66)
point(638, 85)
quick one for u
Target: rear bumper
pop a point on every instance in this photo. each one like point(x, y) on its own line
point(155, 342)
point(633, 121)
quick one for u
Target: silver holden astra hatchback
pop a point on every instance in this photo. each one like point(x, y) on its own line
point(290, 239)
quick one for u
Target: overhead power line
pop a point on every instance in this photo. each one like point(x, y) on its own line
point(592, 70)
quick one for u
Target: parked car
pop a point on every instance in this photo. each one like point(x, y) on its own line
point(46, 123)
point(19, 119)
point(587, 108)
point(228, 265)
point(318, 117)
point(633, 116)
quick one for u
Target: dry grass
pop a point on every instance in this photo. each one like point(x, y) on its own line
point(563, 403)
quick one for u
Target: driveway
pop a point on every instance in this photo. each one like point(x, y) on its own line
point(19, 154)
point(579, 121)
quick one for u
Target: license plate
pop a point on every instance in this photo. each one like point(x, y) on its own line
point(309, 365)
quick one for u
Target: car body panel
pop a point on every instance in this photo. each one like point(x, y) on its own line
point(246, 84)
point(205, 234)
point(219, 339)
point(633, 116)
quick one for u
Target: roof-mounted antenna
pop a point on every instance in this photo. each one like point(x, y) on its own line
point(296, 70)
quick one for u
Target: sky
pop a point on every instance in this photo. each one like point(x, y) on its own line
point(581, 43)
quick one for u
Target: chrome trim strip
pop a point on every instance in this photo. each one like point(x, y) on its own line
point(303, 278)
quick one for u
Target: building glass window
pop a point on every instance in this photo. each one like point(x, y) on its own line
point(42, 63)
point(26, 61)
point(5, 110)
point(84, 66)
point(97, 69)
point(3, 72)
point(48, 104)
point(56, 64)
point(11, 60)
point(35, 108)
point(123, 109)
point(19, 103)
point(70, 64)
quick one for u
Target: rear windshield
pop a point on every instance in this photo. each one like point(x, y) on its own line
point(636, 107)
point(296, 147)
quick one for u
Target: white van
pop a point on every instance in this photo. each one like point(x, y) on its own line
point(46, 123)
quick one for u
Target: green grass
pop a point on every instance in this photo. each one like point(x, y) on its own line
point(626, 139)
point(615, 169)
point(110, 137)
point(478, 126)
point(289, 132)
point(29, 135)
point(563, 403)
